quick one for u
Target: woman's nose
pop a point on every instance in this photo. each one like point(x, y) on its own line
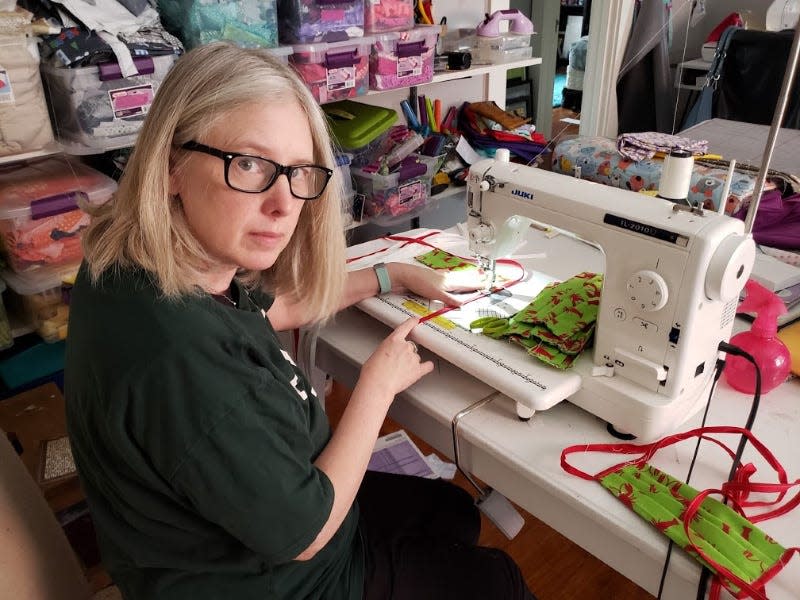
point(278, 199)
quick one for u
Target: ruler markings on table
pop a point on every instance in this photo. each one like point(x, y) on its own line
point(468, 346)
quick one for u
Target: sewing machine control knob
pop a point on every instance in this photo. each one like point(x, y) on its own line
point(647, 290)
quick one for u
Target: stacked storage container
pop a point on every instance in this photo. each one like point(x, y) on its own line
point(41, 222)
point(334, 70)
point(388, 15)
point(403, 58)
point(398, 196)
point(247, 23)
point(360, 129)
point(309, 21)
point(96, 109)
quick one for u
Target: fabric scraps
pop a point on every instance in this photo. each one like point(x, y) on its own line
point(640, 146)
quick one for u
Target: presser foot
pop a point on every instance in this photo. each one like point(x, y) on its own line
point(524, 413)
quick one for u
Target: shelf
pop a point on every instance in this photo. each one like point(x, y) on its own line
point(46, 151)
point(471, 72)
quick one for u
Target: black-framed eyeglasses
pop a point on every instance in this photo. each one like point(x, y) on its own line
point(256, 174)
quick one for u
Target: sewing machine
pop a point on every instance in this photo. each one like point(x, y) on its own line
point(672, 280)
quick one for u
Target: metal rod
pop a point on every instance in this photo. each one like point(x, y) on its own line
point(457, 449)
point(777, 119)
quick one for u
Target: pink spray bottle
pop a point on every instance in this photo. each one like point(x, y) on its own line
point(761, 342)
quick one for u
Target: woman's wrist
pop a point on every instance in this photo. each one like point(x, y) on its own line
point(396, 279)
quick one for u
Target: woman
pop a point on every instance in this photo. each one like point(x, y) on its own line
point(207, 460)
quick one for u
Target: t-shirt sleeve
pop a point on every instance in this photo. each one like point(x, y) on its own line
point(235, 440)
point(255, 478)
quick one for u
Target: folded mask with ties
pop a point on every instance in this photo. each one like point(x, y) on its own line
point(720, 535)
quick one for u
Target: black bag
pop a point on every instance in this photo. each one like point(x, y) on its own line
point(702, 109)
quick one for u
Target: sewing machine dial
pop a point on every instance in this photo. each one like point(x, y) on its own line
point(647, 290)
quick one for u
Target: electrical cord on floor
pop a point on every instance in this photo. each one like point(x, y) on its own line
point(727, 348)
point(717, 373)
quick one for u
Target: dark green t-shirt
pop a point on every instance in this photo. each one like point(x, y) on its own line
point(195, 435)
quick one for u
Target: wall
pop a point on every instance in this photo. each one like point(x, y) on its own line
point(753, 12)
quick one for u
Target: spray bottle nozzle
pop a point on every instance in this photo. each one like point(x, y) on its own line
point(766, 305)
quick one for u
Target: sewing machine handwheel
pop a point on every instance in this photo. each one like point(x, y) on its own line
point(730, 267)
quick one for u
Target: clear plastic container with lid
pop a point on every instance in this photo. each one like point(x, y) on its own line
point(388, 15)
point(333, 70)
point(40, 216)
point(403, 58)
point(246, 23)
point(95, 109)
point(304, 21)
point(392, 197)
point(40, 299)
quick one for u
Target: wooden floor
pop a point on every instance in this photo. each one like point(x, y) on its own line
point(554, 568)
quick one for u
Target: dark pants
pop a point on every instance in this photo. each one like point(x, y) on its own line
point(420, 537)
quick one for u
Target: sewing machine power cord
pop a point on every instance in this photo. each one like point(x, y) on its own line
point(727, 348)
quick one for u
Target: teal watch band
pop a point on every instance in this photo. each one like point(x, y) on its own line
point(383, 277)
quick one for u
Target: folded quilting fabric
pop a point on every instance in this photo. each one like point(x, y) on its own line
point(644, 145)
point(558, 324)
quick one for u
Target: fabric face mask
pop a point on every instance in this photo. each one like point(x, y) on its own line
point(719, 536)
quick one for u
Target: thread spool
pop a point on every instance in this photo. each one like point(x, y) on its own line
point(676, 176)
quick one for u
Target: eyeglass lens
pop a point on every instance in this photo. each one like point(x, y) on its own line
point(253, 174)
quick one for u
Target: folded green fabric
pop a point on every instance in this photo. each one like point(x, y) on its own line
point(557, 325)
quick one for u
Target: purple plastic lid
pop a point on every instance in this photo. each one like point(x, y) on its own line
point(405, 49)
point(111, 70)
point(56, 205)
point(335, 60)
point(411, 167)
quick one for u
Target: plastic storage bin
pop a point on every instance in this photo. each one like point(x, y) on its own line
point(24, 122)
point(333, 71)
point(400, 59)
point(40, 301)
point(348, 192)
point(282, 53)
point(95, 109)
point(360, 129)
point(388, 15)
point(40, 221)
point(303, 21)
point(400, 195)
point(247, 23)
point(503, 48)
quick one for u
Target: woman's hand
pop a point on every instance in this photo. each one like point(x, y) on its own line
point(434, 284)
point(395, 364)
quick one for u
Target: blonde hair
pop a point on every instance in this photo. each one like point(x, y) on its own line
point(144, 226)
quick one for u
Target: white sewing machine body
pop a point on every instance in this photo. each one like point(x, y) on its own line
point(671, 286)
